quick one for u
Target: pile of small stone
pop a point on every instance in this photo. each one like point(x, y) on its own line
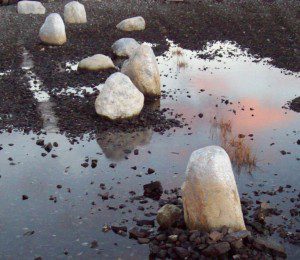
point(178, 243)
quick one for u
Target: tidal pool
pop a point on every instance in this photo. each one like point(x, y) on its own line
point(225, 97)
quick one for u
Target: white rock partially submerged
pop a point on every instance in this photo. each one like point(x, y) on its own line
point(31, 7)
point(53, 30)
point(96, 62)
point(119, 98)
point(210, 195)
point(125, 47)
point(142, 69)
point(132, 24)
point(74, 12)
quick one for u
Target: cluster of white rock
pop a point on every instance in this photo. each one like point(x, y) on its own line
point(122, 95)
point(53, 30)
point(210, 195)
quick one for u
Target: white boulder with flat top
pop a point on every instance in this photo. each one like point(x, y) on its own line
point(142, 69)
point(125, 47)
point(74, 12)
point(210, 195)
point(96, 62)
point(119, 98)
point(53, 30)
point(132, 24)
point(31, 7)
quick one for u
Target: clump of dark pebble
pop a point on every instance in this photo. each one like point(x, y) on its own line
point(177, 242)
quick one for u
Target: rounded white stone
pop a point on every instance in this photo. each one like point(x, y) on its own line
point(125, 47)
point(74, 12)
point(119, 98)
point(132, 24)
point(96, 62)
point(31, 7)
point(53, 30)
point(142, 69)
point(210, 195)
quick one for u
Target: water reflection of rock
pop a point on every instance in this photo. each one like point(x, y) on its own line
point(117, 144)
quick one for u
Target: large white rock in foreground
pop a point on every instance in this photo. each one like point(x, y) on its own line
point(74, 12)
point(125, 47)
point(142, 69)
point(53, 30)
point(119, 98)
point(132, 24)
point(210, 195)
point(30, 7)
point(96, 62)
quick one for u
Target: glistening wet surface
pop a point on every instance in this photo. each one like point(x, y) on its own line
point(226, 97)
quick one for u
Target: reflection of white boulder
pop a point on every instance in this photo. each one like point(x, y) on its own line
point(31, 7)
point(132, 24)
point(53, 30)
point(116, 145)
point(125, 47)
point(74, 12)
point(210, 195)
point(143, 70)
point(119, 98)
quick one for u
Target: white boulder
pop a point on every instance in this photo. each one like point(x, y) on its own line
point(74, 12)
point(96, 62)
point(53, 30)
point(125, 47)
point(31, 7)
point(132, 24)
point(210, 195)
point(142, 69)
point(119, 98)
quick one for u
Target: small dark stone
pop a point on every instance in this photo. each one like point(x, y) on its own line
point(236, 236)
point(145, 222)
point(283, 152)
point(216, 249)
point(85, 164)
point(120, 230)
point(142, 240)
point(112, 165)
point(94, 244)
point(181, 252)
point(161, 237)
point(150, 171)
point(104, 196)
point(153, 190)
point(24, 197)
point(138, 233)
point(48, 147)
point(154, 249)
point(94, 163)
point(40, 142)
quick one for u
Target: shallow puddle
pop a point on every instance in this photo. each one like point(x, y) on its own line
point(230, 99)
